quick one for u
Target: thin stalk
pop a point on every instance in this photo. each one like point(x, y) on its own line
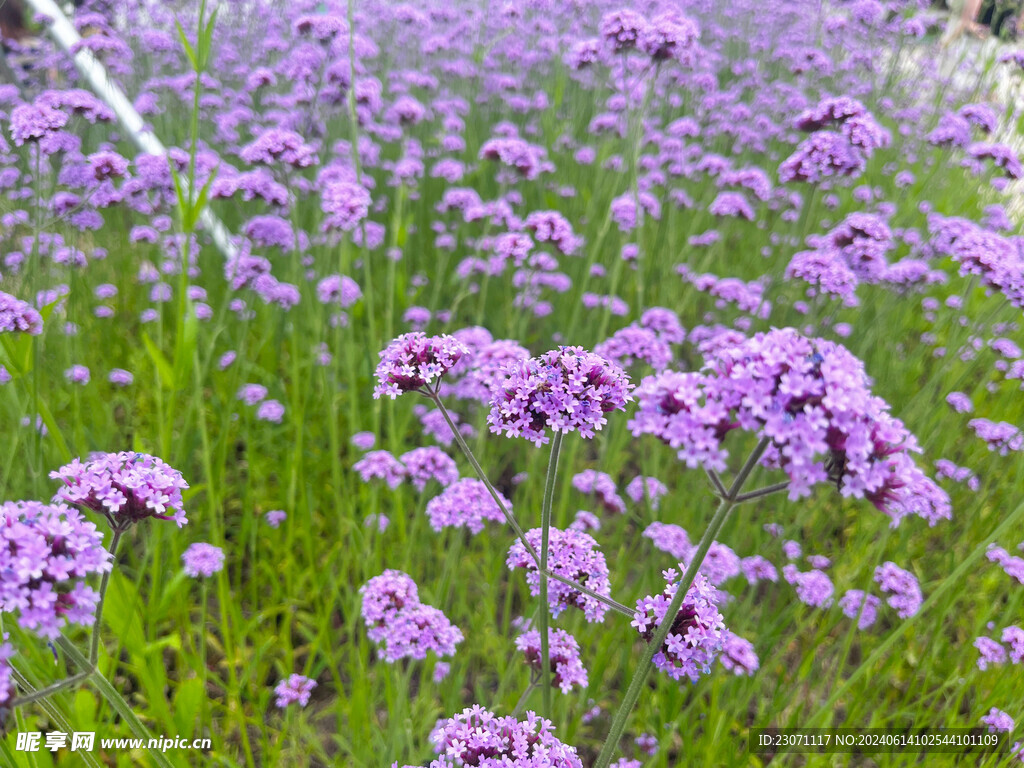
point(545, 525)
point(42, 693)
point(682, 587)
point(94, 643)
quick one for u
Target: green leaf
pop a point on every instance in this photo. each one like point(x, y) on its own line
point(188, 701)
point(163, 368)
point(54, 430)
point(189, 50)
point(184, 350)
point(183, 205)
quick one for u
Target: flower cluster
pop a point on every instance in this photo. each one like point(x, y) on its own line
point(696, 634)
point(400, 624)
point(47, 550)
point(738, 654)
point(477, 737)
point(465, 503)
point(810, 398)
point(17, 316)
point(202, 559)
point(563, 652)
point(567, 389)
point(901, 586)
point(124, 487)
point(572, 555)
point(414, 361)
point(294, 689)
point(601, 485)
point(7, 688)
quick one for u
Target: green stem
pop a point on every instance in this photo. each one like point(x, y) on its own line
point(42, 693)
point(545, 525)
point(682, 587)
point(94, 642)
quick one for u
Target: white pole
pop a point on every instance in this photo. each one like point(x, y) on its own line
point(66, 36)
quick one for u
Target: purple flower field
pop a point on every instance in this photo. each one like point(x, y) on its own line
point(507, 384)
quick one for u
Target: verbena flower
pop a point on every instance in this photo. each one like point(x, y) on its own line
point(738, 654)
point(275, 517)
point(465, 503)
point(202, 559)
point(649, 488)
point(757, 568)
point(124, 487)
point(400, 624)
point(811, 399)
point(381, 465)
point(8, 690)
point(429, 463)
point(901, 586)
point(479, 738)
point(294, 689)
point(17, 316)
point(990, 652)
point(1001, 437)
point(46, 552)
point(573, 555)
point(696, 634)
point(857, 604)
point(670, 538)
point(601, 485)
point(414, 361)
point(813, 588)
point(997, 721)
point(567, 389)
point(567, 669)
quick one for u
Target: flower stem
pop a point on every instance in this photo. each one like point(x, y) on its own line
point(682, 587)
point(760, 493)
point(545, 525)
point(94, 642)
point(42, 693)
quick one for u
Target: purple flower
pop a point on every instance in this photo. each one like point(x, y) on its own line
point(813, 588)
point(17, 316)
point(565, 389)
point(756, 568)
point(476, 737)
point(695, 637)
point(998, 721)
point(573, 555)
point(124, 487)
point(1013, 636)
point(465, 503)
point(668, 36)
point(430, 463)
point(250, 394)
point(275, 517)
point(415, 360)
point(989, 652)
point(8, 690)
point(649, 488)
point(77, 374)
point(820, 156)
point(1000, 436)
point(278, 145)
point(381, 464)
point(202, 559)
point(601, 485)
point(338, 289)
point(738, 654)
point(901, 586)
point(960, 402)
point(567, 669)
point(851, 604)
point(399, 624)
point(270, 410)
point(46, 551)
point(669, 538)
point(622, 29)
point(810, 398)
point(295, 689)
point(345, 204)
point(364, 441)
point(636, 344)
point(33, 122)
point(120, 377)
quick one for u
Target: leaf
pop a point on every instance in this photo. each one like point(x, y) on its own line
point(184, 350)
point(163, 368)
point(188, 701)
point(189, 50)
point(54, 431)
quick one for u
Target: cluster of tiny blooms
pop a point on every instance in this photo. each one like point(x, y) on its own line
point(125, 487)
point(294, 689)
point(46, 550)
point(202, 559)
point(572, 555)
point(400, 624)
point(477, 737)
point(902, 588)
point(465, 503)
point(810, 398)
point(738, 654)
point(567, 389)
point(7, 687)
point(695, 637)
point(563, 652)
point(17, 316)
point(414, 361)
